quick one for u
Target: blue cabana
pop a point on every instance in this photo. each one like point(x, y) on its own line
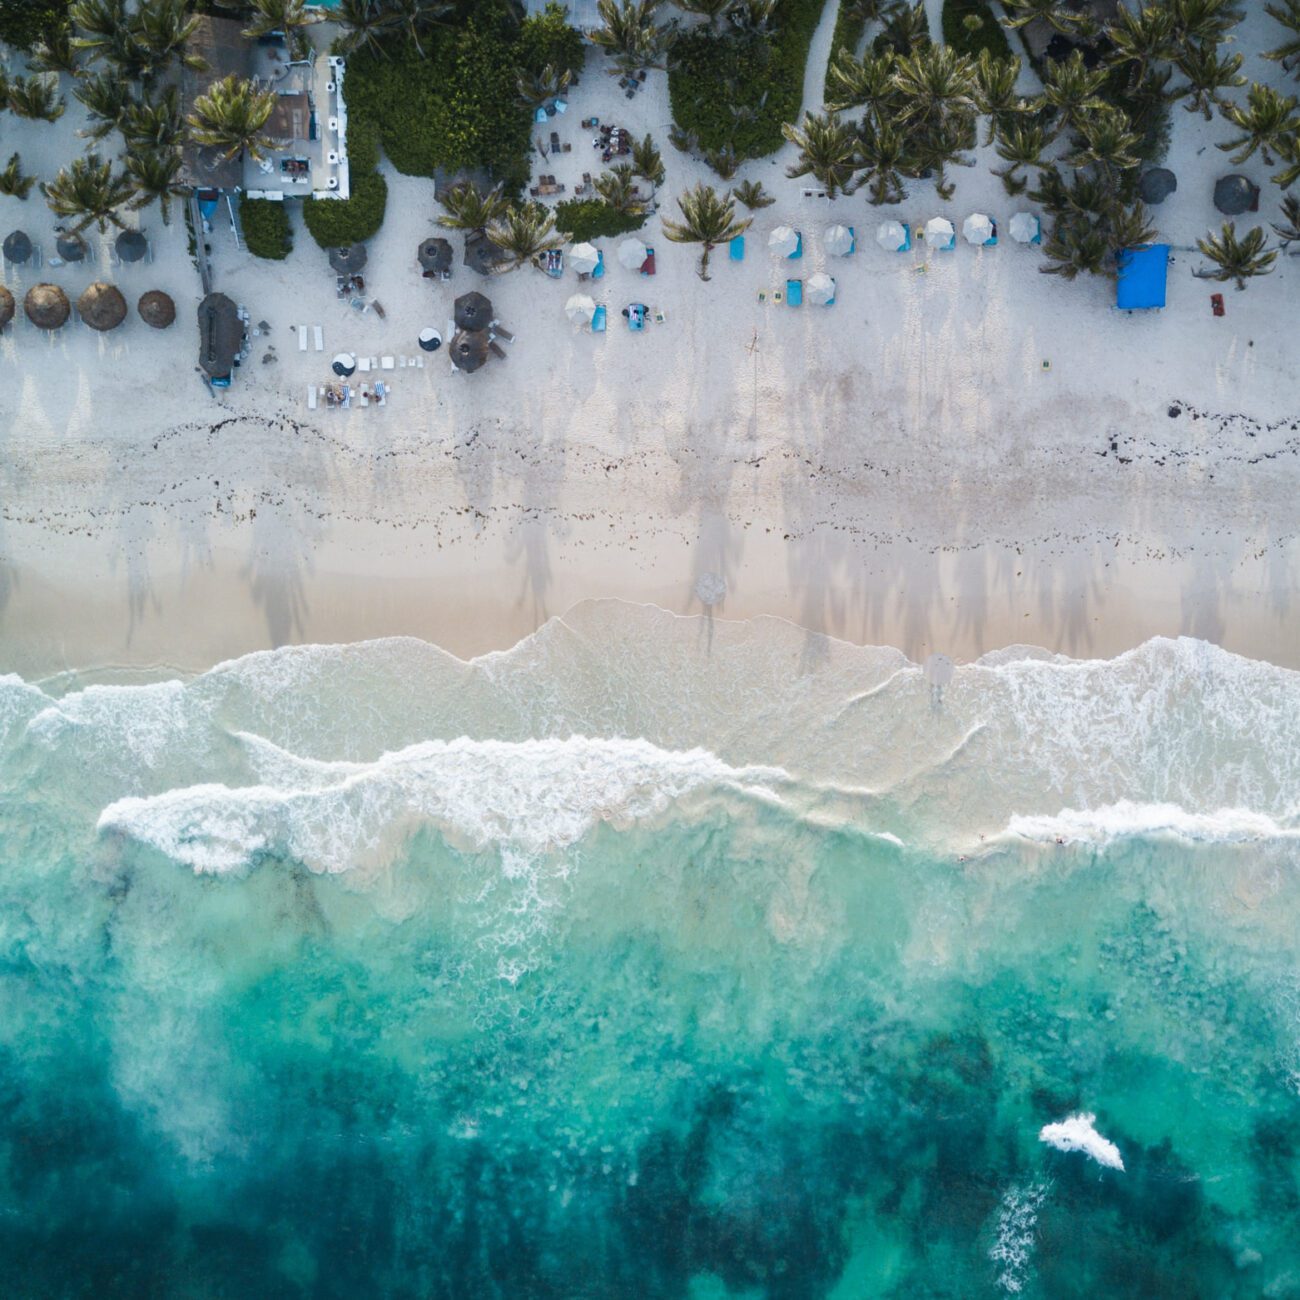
point(1142, 273)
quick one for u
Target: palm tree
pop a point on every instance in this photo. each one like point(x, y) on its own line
point(1071, 89)
point(1108, 142)
point(995, 91)
point(537, 89)
point(468, 208)
point(757, 16)
point(1288, 14)
point(524, 234)
point(1288, 233)
point(231, 116)
point(1020, 145)
point(1142, 37)
point(365, 25)
point(1131, 227)
point(708, 218)
point(107, 98)
point(1022, 12)
point(1208, 21)
point(1075, 247)
point(752, 195)
point(413, 17)
point(907, 30)
point(647, 162)
point(155, 173)
point(88, 191)
point(12, 180)
point(1207, 74)
point(98, 23)
point(54, 53)
point(630, 35)
point(617, 187)
point(155, 125)
point(827, 151)
point(710, 9)
point(1236, 259)
point(287, 16)
point(943, 145)
point(882, 154)
point(36, 98)
point(1288, 149)
point(867, 83)
point(162, 29)
point(1267, 119)
point(725, 161)
point(933, 82)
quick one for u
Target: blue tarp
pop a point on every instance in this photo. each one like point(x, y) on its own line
point(1142, 273)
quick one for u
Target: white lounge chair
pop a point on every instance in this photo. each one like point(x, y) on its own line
point(386, 362)
point(320, 339)
point(311, 397)
point(302, 338)
point(381, 394)
point(363, 364)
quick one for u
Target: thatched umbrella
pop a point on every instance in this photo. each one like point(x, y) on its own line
point(473, 311)
point(434, 255)
point(17, 247)
point(102, 306)
point(6, 306)
point(47, 306)
point(348, 260)
point(1235, 194)
point(1157, 184)
point(131, 245)
point(469, 349)
point(221, 335)
point(156, 308)
point(481, 254)
point(71, 247)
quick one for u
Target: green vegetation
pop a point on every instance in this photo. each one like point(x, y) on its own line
point(708, 219)
point(27, 23)
point(734, 88)
point(587, 219)
point(969, 26)
point(266, 228)
point(1236, 259)
point(334, 223)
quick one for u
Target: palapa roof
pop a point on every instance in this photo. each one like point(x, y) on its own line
point(348, 260)
point(131, 245)
point(1235, 194)
point(47, 306)
point(156, 308)
point(71, 247)
point(434, 254)
point(17, 246)
point(469, 349)
point(223, 47)
point(481, 254)
point(1157, 184)
point(102, 306)
point(221, 335)
point(6, 307)
point(473, 311)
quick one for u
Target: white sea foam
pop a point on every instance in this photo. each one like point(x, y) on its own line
point(1076, 1133)
point(1013, 1245)
point(531, 797)
point(1125, 819)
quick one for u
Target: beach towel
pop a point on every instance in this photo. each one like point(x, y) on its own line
point(598, 320)
point(794, 292)
point(737, 248)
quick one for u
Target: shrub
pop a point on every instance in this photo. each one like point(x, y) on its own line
point(849, 27)
point(736, 91)
point(266, 228)
point(585, 219)
point(547, 40)
point(336, 222)
point(25, 22)
point(969, 27)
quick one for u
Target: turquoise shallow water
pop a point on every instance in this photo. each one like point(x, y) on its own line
point(653, 958)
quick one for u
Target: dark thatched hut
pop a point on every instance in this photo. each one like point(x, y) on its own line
point(47, 306)
point(221, 335)
point(469, 350)
point(156, 309)
point(102, 306)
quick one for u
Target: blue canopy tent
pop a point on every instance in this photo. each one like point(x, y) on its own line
point(1142, 273)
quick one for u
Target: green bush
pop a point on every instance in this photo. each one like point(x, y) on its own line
point(585, 219)
point(266, 228)
point(730, 90)
point(849, 27)
point(970, 37)
point(547, 40)
point(336, 222)
point(24, 22)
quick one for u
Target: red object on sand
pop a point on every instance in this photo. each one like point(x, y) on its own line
point(1216, 303)
point(648, 266)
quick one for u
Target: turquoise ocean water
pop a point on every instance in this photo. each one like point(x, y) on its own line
point(653, 958)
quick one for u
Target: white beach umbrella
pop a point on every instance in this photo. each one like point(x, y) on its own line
point(820, 289)
point(580, 309)
point(783, 241)
point(977, 229)
point(1024, 227)
point(584, 258)
point(891, 236)
point(631, 254)
point(939, 231)
point(838, 241)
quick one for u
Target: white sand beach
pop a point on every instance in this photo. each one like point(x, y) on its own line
point(959, 454)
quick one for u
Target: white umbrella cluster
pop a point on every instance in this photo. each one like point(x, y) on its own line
point(977, 229)
point(783, 241)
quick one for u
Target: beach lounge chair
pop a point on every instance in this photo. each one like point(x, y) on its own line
point(311, 397)
point(387, 363)
point(798, 248)
point(737, 248)
point(302, 338)
point(496, 349)
point(794, 292)
point(598, 271)
point(320, 338)
point(648, 266)
point(635, 314)
point(365, 395)
point(598, 319)
point(853, 246)
point(381, 394)
point(363, 364)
